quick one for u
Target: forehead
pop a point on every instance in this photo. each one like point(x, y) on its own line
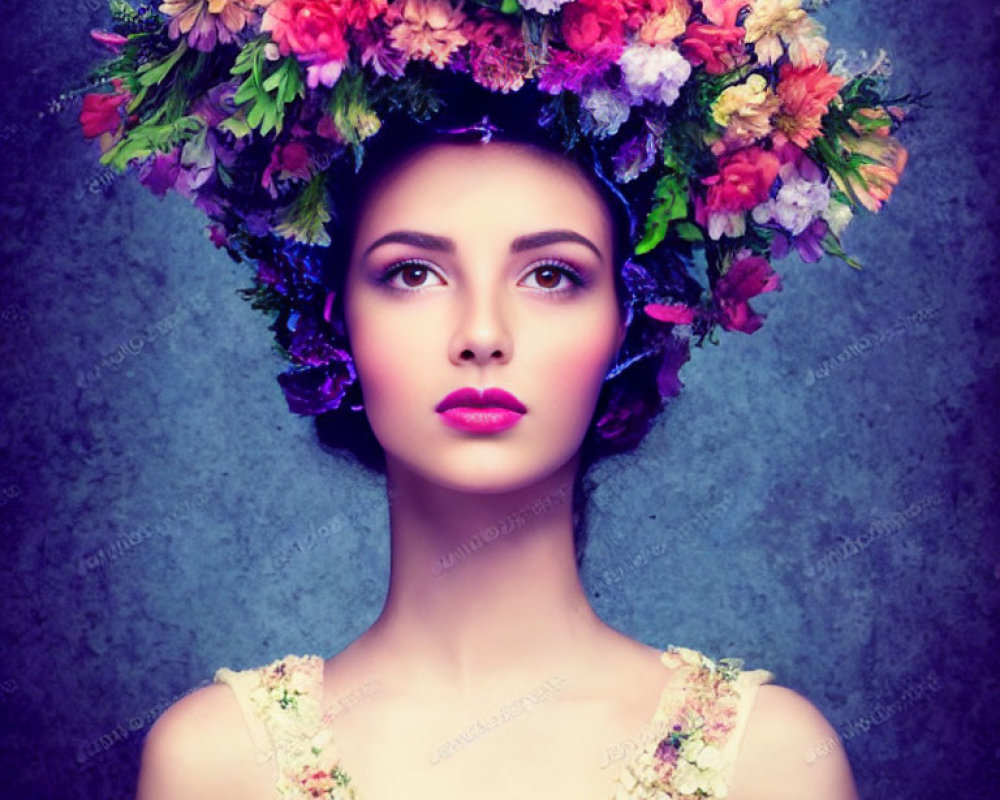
point(500, 187)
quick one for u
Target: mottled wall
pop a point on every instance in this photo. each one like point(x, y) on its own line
point(730, 531)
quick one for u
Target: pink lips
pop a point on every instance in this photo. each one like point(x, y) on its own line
point(489, 411)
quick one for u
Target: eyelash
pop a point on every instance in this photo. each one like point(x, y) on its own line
point(578, 280)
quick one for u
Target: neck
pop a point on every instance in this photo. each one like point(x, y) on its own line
point(482, 582)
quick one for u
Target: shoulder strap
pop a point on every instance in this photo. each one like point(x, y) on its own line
point(746, 685)
point(282, 704)
point(243, 682)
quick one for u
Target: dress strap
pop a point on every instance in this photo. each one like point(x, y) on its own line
point(243, 682)
point(284, 699)
point(703, 730)
point(746, 685)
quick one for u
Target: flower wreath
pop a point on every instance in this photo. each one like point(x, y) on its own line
point(719, 123)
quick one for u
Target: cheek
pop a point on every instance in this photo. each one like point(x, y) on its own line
point(575, 364)
point(391, 362)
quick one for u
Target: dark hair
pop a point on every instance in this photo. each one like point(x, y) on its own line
point(627, 403)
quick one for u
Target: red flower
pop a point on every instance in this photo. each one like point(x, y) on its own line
point(100, 111)
point(720, 49)
point(748, 277)
point(744, 180)
point(805, 94)
point(594, 27)
point(290, 161)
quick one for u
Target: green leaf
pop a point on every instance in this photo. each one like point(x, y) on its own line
point(509, 7)
point(305, 218)
point(153, 72)
point(352, 111)
point(268, 87)
point(689, 232)
point(149, 138)
point(672, 192)
point(831, 244)
point(236, 125)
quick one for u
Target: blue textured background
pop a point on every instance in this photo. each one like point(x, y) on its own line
point(725, 532)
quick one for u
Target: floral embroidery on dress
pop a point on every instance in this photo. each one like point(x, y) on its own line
point(689, 762)
point(288, 699)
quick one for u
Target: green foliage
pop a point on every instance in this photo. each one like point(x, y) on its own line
point(149, 138)
point(352, 112)
point(672, 193)
point(831, 244)
point(267, 89)
point(304, 220)
point(410, 96)
point(153, 72)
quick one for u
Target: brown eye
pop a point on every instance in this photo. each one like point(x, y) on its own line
point(548, 277)
point(413, 275)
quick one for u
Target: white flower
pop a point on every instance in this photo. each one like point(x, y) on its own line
point(798, 203)
point(543, 6)
point(838, 215)
point(608, 110)
point(710, 757)
point(654, 72)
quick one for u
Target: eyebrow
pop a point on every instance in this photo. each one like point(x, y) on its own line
point(446, 245)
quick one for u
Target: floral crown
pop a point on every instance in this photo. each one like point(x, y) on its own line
point(718, 123)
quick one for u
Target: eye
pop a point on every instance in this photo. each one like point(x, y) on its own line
point(551, 273)
point(413, 273)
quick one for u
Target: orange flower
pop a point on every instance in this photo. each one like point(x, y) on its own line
point(874, 180)
point(427, 29)
point(805, 94)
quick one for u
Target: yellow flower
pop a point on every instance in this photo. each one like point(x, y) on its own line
point(745, 110)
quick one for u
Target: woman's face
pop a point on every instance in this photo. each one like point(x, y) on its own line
point(483, 265)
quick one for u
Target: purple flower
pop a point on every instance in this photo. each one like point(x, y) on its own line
point(315, 390)
point(808, 243)
point(159, 173)
point(635, 156)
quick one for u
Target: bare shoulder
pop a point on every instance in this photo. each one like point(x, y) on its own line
point(790, 751)
point(198, 748)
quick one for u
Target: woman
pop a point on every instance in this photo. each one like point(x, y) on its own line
point(484, 296)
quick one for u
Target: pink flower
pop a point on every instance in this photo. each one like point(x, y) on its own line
point(723, 12)
point(720, 49)
point(205, 21)
point(114, 41)
point(677, 313)
point(744, 179)
point(427, 29)
point(594, 27)
point(498, 58)
point(100, 112)
point(316, 32)
point(748, 277)
point(805, 94)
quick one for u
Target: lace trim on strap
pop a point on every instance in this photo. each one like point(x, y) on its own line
point(287, 695)
point(694, 759)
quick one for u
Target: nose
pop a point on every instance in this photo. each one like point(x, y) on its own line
point(482, 335)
